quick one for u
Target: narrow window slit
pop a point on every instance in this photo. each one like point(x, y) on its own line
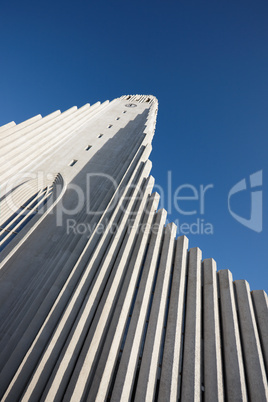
point(73, 162)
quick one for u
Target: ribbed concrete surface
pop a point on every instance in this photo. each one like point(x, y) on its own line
point(126, 312)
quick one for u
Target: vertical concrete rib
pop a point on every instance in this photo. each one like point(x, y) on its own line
point(253, 360)
point(61, 130)
point(24, 134)
point(213, 376)
point(152, 348)
point(191, 376)
point(114, 315)
point(26, 123)
point(66, 320)
point(170, 377)
point(61, 301)
point(7, 126)
point(127, 368)
point(100, 203)
point(94, 342)
point(235, 385)
point(110, 354)
point(260, 302)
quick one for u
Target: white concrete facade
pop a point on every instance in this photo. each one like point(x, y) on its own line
point(99, 301)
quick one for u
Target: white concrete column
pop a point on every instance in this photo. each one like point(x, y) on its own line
point(253, 360)
point(213, 377)
point(260, 302)
point(106, 366)
point(191, 369)
point(152, 349)
point(64, 296)
point(86, 313)
point(20, 136)
point(170, 379)
point(128, 365)
point(7, 126)
point(15, 127)
point(235, 383)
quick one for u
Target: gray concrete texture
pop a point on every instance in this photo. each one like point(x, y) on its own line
point(112, 307)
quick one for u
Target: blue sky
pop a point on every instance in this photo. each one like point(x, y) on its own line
point(206, 62)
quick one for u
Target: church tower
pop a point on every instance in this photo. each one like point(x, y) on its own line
point(99, 299)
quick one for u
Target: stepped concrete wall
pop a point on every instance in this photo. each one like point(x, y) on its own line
point(99, 300)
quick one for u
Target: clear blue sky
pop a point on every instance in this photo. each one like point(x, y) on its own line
point(206, 62)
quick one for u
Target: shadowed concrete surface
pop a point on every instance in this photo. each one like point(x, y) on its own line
point(98, 298)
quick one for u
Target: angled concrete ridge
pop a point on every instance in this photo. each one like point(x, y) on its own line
point(99, 298)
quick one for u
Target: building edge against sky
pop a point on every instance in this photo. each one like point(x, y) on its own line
point(98, 298)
